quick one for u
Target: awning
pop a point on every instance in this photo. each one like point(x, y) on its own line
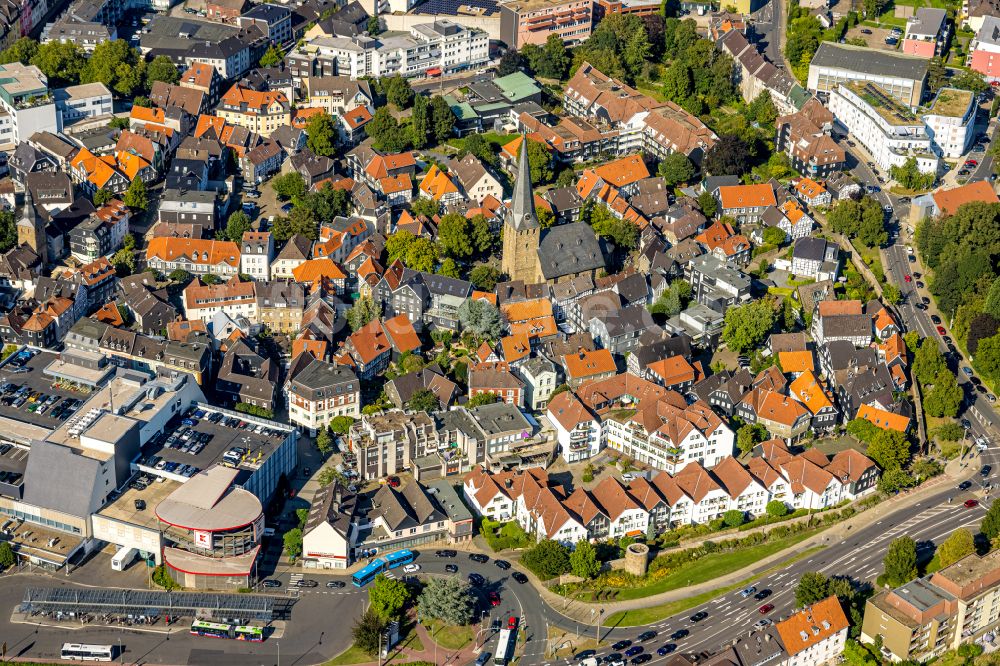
point(434, 71)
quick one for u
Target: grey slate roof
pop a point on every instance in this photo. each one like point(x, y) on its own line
point(569, 248)
point(499, 417)
point(870, 61)
point(57, 479)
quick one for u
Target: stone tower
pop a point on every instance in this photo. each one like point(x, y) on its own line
point(31, 228)
point(521, 230)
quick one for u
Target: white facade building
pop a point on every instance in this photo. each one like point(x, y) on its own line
point(84, 101)
point(888, 130)
point(950, 122)
point(258, 250)
point(26, 104)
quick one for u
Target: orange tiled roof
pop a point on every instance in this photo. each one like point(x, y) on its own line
point(796, 361)
point(809, 188)
point(674, 370)
point(949, 201)
point(404, 337)
point(524, 310)
point(807, 390)
point(252, 101)
point(583, 363)
point(437, 184)
point(311, 270)
point(147, 115)
point(623, 171)
point(197, 250)
point(109, 314)
point(516, 347)
point(747, 196)
point(813, 625)
point(883, 419)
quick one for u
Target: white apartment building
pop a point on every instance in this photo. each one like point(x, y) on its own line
point(577, 430)
point(258, 250)
point(889, 130)
point(694, 434)
point(950, 122)
point(26, 104)
point(815, 635)
point(901, 76)
point(84, 101)
point(440, 47)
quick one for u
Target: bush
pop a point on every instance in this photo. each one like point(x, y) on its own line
point(254, 410)
point(547, 560)
point(163, 579)
point(502, 536)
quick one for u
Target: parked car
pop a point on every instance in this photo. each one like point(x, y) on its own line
point(479, 557)
point(411, 568)
point(336, 584)
point(519, 577)
point(666, 649)
point(476, 580)
point(621, 645)
point(502, 564)
point(634, 650)
point(445, 553)
point(306, 582)
point(645, 636)
point(494, 599)
point(270, 582)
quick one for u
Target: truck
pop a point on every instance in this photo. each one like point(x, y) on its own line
point(123, 558)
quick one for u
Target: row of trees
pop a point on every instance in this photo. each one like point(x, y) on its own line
point(114, 63)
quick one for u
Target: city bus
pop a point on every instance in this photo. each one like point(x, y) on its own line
point(505, 647)
point(211, 629)
point(399, 558)
point(82, 652)
point(249, 633)
point(367, 575)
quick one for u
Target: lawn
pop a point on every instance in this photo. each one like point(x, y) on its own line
point(711, 567)
point(352, 655)
point(644, 616)
point(449, 636)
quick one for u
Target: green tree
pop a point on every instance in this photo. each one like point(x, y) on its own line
point(748, 325)
point(136, 197)
point(813, 586)
point(272, 56)
point(484, 277)
point(945, 398)
point(481, 399)
point(539, 162)
point(397, 91)
point(423, 400)
point(555, 58)
point(476, 144)
point(959, 544)
point(161, 68)
point(373, 27)
point(237, 225)
point(889, 449)
point(324, 441)
point(774, 236)
point(8, 230)
point(118, 123)
point(321, 134)
point(708, 205)
point(928, 362)
point(102, 196)
point(891, 294)
point(729, 156)
point(862, 220)
point(734, 518)
point(7, 559)
point(367, 629)
point(583, 560)
point(22, 51)
point(117, 65)
point(762, 110)
point(388, 597)
point(386, 132)
point(420, 121)
point(910, 176)
point(364, 310)
point(988, 357)
point(990, 527)
point(63, 64)
point(678, 83)
point(449, 268)
point(443, 119)
point(675, 169)
point(776, 508)
point(750, 435)
point(900, 561)
point(448, 599)
point(179, 275)
point(510, 62)
point(293, 542)
point(124, 262)
point(623, 233)
point(453, 235)
point(341, 424)
point(481, 317)
point(289, 185)
point(421, 255)
point(547, 559)
point(210, 278)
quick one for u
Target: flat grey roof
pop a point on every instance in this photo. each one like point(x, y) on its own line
point(869, 61)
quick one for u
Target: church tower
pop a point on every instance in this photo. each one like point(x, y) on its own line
point(521, 230)
point(31, 228)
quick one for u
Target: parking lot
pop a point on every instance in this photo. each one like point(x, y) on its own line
point(27, 395)
point(199, 439)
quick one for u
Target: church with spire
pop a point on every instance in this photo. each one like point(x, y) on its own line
point(31, 228)
point(531, 254)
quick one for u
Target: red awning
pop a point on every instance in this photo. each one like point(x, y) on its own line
point(434, 71)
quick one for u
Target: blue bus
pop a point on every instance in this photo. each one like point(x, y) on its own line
point(399, 558)
point(367, 575)
point(382, 564)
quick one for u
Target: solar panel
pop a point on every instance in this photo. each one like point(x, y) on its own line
point(148, 602)
point(453, 7)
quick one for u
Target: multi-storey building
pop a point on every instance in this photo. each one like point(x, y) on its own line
point(902, 77)
point(805, 138)
point(260, 112)
point(195, 255)
point(950, 121)
point(26, 104)
point(890, 132)
point(532, 21)
point(926, 32)
point(258, 250)
point(441, 47)
point(937, 613)
point(317, 392)
point(814, 635)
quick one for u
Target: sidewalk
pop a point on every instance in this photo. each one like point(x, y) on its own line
point(439, 656)
point(580, 611)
